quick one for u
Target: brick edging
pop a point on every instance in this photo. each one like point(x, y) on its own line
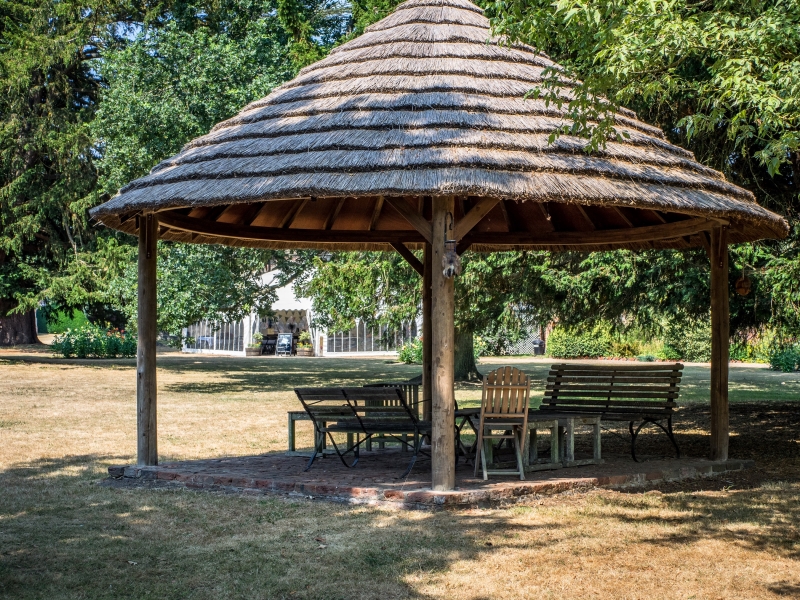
point(417, 498)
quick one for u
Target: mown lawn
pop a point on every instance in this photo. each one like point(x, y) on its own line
point(64, 536)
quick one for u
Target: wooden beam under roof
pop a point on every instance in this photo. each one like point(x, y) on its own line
point(474, 216)
point(679, 229)
point(589, 238)
point(416, 220)
point(289, 217)
point(546, 215)
point(504, 210)
point(622, 216)
point(333, 214)
point(659, 216)
point(376, 213)
point(586, 217)
point(282, 234)
point(409, 257)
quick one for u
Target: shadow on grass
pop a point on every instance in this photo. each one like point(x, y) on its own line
point(281, 374)
point(761, 519)
point(63, 536)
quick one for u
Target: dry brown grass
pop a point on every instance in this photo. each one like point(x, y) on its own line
point(63, 536)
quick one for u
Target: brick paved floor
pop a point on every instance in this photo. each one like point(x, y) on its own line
point(375, 479)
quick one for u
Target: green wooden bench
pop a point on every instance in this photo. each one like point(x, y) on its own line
point(640, 393)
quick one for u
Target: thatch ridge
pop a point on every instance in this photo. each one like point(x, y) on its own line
point(463, 4)
point(408, 120)
point(332, 161)
point(462, 181)
point(427, 102)
point(429, 50)
point(367, 140)
point(435, 15)
point(378, 102)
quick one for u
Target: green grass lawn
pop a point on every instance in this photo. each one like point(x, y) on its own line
point(64, 536)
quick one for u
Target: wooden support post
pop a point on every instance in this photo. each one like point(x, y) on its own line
point(147, 446)
point(443, 342)
point(427, 336)
point(720, 343)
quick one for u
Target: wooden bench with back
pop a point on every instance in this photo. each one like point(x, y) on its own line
point(642, 393)
point(364, 412)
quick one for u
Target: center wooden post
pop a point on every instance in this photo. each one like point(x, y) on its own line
point(442, 343)
point(720, 343)
point(147, 447)
point(427, 339)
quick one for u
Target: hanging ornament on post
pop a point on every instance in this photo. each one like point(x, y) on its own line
point(451, 261)
point(743, 284)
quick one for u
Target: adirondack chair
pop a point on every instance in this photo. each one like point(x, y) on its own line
point(504, 416)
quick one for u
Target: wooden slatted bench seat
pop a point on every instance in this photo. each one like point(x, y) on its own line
point(642, 393)
point(364, 412)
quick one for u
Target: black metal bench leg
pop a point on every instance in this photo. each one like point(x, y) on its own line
point(672, 438)
point(634, 435)
point(417, 447)
point(667, 430)
point(354, 449)
point(670, 435)
point(317, 450)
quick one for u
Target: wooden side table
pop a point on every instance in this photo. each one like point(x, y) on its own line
point(562, 441)
point(301, 415)
point(566, 434)
point(530, 455)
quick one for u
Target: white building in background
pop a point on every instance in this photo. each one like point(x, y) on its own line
point(292, 315)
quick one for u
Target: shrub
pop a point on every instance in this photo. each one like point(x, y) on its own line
point(61, 322)
point(754, 348)
point(646, 358)
point(687, 341)
point(624, 349)
point(669, 352)
point(480, 347)
point(563, 343)
point(786, 359)
point(258, 337)
point(91, 341)
point(411, 352)
point(304, 340)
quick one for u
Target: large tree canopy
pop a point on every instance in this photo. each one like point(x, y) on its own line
point(96, 95)
point(97, 92)
point(721, 78)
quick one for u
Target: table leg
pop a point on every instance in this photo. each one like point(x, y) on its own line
point(488, 448)
point(596, 440)
point(555, 453)
point(531, 453)
point(570, 445)
point(291, 433)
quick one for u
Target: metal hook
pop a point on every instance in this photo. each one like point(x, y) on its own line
point(447, 216)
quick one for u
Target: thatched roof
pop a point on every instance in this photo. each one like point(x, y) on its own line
point(426, 102)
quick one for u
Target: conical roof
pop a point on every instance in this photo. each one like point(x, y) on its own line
point(426, 102)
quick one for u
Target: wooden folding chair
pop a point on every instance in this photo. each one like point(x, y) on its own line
point(504, 415)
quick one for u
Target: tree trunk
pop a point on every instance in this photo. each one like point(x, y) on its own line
point(16, 328)
point(465, 367)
